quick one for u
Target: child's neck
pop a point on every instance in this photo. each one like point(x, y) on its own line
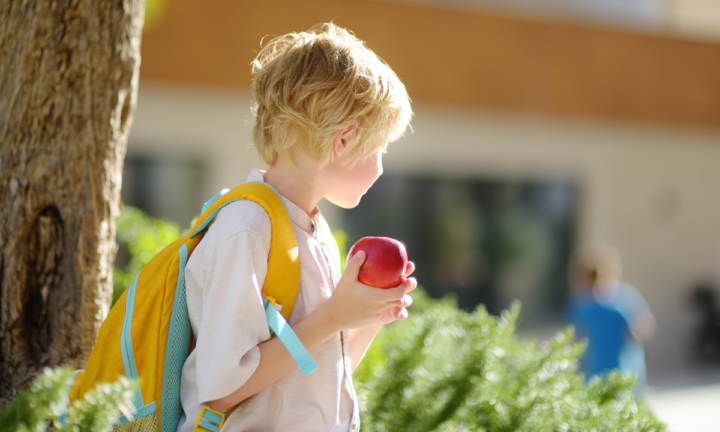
point(301, 183)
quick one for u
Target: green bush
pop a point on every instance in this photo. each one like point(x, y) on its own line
point(444, 370)
point(45, 400)
point(144, 237)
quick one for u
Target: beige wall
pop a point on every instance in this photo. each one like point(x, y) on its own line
point(214, 125)
point(651, 190)
point(698, 19)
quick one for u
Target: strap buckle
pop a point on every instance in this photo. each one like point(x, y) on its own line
point(209, 420)
point(287, 336)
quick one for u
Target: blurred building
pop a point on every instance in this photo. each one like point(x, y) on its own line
point(540, 125)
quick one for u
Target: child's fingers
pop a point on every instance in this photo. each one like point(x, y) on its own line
point(353, 265)
point(406, 301)
point(402, 314)
point(396, 295)
point(410, 284)
point(392, 294)
point(409, 268)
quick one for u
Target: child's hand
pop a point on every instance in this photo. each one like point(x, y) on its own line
point(354, 305)
point(399, 311)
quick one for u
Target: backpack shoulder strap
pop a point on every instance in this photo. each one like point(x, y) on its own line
point(283, 276)
point(281, 282)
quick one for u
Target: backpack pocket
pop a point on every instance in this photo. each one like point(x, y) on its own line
point(144, 420)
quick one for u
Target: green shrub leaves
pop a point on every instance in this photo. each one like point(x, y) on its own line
point(444, 369)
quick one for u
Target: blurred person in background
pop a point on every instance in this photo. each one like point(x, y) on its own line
point(610, 314)
point(706, 338)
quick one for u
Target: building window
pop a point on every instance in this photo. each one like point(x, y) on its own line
point(484, 241)
point(165, 187)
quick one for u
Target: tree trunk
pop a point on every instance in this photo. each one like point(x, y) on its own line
point(68, 85)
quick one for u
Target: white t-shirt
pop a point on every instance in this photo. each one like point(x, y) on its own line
point(223, 278)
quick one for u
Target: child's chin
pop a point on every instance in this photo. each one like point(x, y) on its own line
point(346, 204)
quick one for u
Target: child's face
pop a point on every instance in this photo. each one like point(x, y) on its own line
point(347, 185)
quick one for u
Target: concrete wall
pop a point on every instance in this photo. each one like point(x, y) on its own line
point(651, 190)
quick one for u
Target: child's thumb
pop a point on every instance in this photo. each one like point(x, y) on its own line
point(354, 263)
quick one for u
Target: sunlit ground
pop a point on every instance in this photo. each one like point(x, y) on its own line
point(689, 402)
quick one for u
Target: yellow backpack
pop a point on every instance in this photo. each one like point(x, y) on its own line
point(147, 334)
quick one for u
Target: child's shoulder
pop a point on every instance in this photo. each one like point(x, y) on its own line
point(238, 217)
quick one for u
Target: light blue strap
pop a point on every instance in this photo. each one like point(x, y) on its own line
point(138, 413)
point(212, 416)
point(63, 417)
point(213, 199)
point(211, 217)
point(288, 337)
point(126, 348)
point(208, 426)
point(178, 343)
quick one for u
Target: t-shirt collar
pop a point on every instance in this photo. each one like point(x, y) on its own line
point(297, 215)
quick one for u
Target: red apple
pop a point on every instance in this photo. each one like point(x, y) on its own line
point(385, 264)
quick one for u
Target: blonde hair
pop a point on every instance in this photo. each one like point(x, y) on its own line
point(310, 85)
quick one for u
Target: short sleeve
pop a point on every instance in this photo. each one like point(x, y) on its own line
point(233, 318)
point(630, 303)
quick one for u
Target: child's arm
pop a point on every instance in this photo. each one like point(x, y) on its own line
point(275, 359)
point(352, 305)
point(361, 338)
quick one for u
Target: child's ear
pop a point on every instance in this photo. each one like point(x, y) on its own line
point(343, 138)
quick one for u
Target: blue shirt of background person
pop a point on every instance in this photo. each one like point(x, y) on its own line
point(606, 316)
point(606, 331)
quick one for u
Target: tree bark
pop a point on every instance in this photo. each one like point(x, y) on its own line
point(68, 85)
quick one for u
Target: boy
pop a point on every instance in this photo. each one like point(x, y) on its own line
point(326, 109)
point(610, 313)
